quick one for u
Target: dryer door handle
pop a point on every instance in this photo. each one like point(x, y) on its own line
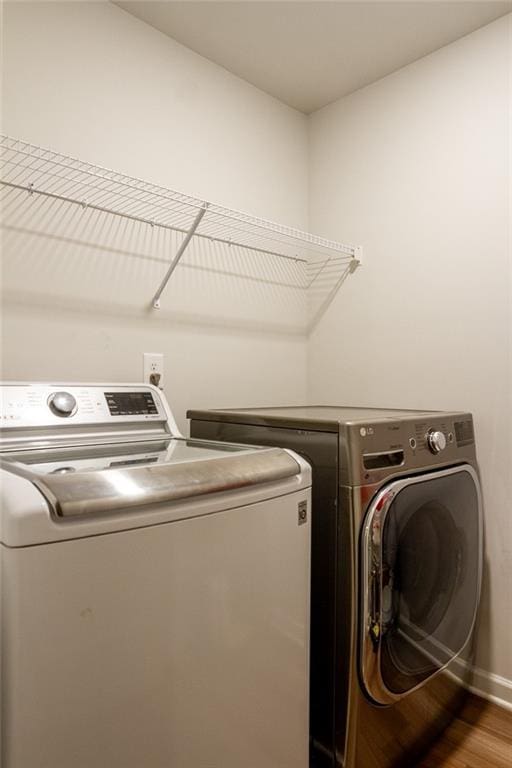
point(374, 626)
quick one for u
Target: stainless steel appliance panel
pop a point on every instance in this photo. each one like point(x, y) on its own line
point(372, 448)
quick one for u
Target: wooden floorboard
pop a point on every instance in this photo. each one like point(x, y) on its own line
point(481, 737)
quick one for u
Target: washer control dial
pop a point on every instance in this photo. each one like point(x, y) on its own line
point(62, 404)
point(436, 441)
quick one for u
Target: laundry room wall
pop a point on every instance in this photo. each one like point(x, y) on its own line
point(90, 80)
point(416, 168)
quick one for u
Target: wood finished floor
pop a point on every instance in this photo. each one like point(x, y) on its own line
point(481, 737)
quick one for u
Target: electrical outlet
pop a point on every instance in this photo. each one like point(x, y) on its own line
point(154, 369)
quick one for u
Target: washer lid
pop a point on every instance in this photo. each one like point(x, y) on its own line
point(101, 480)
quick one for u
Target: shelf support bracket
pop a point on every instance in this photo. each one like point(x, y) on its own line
point(356, 260)
point(176, 260)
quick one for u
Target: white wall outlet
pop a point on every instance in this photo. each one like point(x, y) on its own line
point(154, 369)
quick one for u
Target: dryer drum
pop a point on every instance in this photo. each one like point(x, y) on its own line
point(429, 578)
point(427, 566)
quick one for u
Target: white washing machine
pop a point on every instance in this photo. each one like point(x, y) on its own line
point(154, 589)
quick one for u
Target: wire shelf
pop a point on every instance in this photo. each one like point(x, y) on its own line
point(318, 264)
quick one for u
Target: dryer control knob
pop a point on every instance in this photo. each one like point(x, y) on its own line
point(62, 404)
point(436, 441)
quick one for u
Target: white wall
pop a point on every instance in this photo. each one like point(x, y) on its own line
point(90, 80)
point(413, 167)
point(416, 167)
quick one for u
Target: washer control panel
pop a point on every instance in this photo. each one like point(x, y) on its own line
point(131, 403)
point(27, 405)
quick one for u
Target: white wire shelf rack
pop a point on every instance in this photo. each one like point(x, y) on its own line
point(318, 263)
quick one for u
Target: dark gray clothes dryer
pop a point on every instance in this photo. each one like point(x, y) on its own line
point(396, 569)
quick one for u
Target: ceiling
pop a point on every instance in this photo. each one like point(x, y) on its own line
point(308, 54)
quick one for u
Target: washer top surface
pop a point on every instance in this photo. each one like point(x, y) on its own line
point(62, 461)
point(103, 479)
point(100, 457)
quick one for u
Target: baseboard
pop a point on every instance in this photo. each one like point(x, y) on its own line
point(484, 684)
point(492, 687)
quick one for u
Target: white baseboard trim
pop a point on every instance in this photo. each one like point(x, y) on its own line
point(484, 684)
point(492, 687)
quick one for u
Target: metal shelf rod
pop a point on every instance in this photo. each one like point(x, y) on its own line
point(308, 241)
point(84, 204)
point(313, 264)
point(103, 209)
point(181, 250)
point(121, 179)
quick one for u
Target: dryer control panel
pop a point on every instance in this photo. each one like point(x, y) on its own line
point(385, 447)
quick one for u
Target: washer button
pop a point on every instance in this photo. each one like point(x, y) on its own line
point(412, 443)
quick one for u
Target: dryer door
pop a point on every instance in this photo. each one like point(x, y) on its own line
point(421, 574)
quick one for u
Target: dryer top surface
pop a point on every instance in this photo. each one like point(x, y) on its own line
point(326, 418)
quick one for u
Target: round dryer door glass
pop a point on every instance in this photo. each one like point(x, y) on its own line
point(423, 565)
